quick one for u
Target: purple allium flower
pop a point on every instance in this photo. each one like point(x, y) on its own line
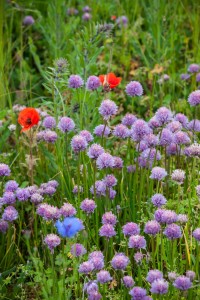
point(182, 119)
point(9, 198)
point(67, 210)
point(78, 143)
point(166, 137)
point(94, 151)
point(102, 130)
point(152, 227)
point(138, 256)
point(49, 190)
point(107, 230)
point(98, 263)
point(163, 115)
point(172, 231)
point(86, 9)
point(77, 250)
point(122, 21)
point(168, 216)
point(36, 198)
point(139, 129)
point(153, 275)
point(172, 276)
point(182, 283)
point(66, 124)
point(118, 162)
point(128, 281)
point(32, 189)
point(22, 194)
point(95, 254)
point(28, 20)
point(100, 188)
point(158, 173)
point(130, 229)
point(151, 154)
point(134, 88)
point(159, 286)
point(49, 122)
point(129, 119)
point(86, 16)
point(110, 181)
point(138, 293)
point(86, 267)
point(107, 109)
point(48, 212)
point(196, 234)
point(87, 135)
point(50, 136)
point(158, 215)
point(91, 287)
point(121, 131)
point(151, 140)
point(11, 186)
point(181, 138)
point(131, 168)
point(153, 123)
point(194, 125)
point(193, 150)
point(120, 261)
point(193, 68)
point(182, 218)
point(158, 200)
point(194, 98)
point(109, 218)
point(178, 176)
point(105, 160)
point(10, 214)
point(103, 276)
point(172, 149)
point(112, 194)
point(174, 126)
point(93, 83)
point(52, 241)
point(53, 183)
point(185, 76)
point(141, 146)
point(198, 77)
point(40, 136)
point(94, 296)
point(88, 206)
point(4, 170)
point(3, 226)
point(77, 189)
point(75, 82)
point(190, 274)
point(137, 242)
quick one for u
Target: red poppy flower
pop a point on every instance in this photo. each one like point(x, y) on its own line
point(110, 79)
point(28, 117)
point(113, 18)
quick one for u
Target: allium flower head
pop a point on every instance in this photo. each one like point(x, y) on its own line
point(78, 143)
point(52, 241)
point(182, 283)
point(105, 160)
point(109, 218)
point(193, 150)
point(28, 20)
point(121, 131)
point(103, 276)
point(94, 254)
point(4, 170)
point(181, 218)
point(129, 119)
point(130, 229)
point(151, 154)
point(86, 16)
point(168, 216)
point(110, 180)
point(174, 126)
point(98, 262)
point(173, 231)
point(193, 68)
point(49, 122)
point(77, 189)
point(134, 88)
point(3, 226)
point(107, 109)
point(118, 162)
point(196, 234)
point(198, 77)
point(151, 140)
point(131, 168)
point(36, 198)
point(138, 257)
point(100, 188)
point(86, 267)
point(181, 138)
point(94, 151)
point(166, 137)
point(93, 83)
point(10, 214)
point(48, 212)
point(172, 276)
point(172, 149)
point(159, 286)
point(50, 136)
point(153, 123)
point(158, 173)
point(75, 82)
point(120, 261)
point(139, 129)
point(9, 198)
point(107, 230)
point(122, 21)
point(194, 125)
point(178, 176)
point(88, 206)
point(152, 227)
point(91, 287)
point(194, 98)
point(102, 130)
point(158, 215)
point(22, 194)
point(11, 186)
point(94, 296)
point(138, 293)
point(67, 210)
point(163, 115)
point(87, 135)
point(182, 119)
point(154, 275)
point(128, 281)
point(66, 124)
point(190, 274)
point(185, 76)
point(69, 227)
point(78, 250)
point(137, 242)
point(158, 200)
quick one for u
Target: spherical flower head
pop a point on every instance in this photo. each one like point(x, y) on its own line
point(134, 88)
point(141, 146)
point(131, 168)
point(181, 218)
point(174, 126)
point(107, 230)
point(151, 140)
point(128, 281)
point(109, 218)
point(110, 181)
point(130, 228)
point(95, 254)
point(28, 117)
point(137, 242)
point(78, 143)
point(139, 129)
point(109, 80)
point(185, 76)
point(193, 68)
point(9, 198)
point(151, 154)
point(78, 250)
point(103, 276)
point(168, 216)
point(112, 194)
point(158, 215)
point(98, 263)
point(181, 138)
point(87, 135)
point(153, 275)
point(194, 98)
point(48, 212)
point(94, 296)
point(28, 20)
point(49, 122)
point(94, 151)
point(178, 176)
point(4, 170)
point(152, 227)
point(86, 267)
point(182, 119)
point(166, 137)
point(52, 241)
point(100, 188)
point(88, 206)
point(198, 77)
point(50, 136)
point(159, 286)
point(93, 83)
point(36, 198)
point(3, 226)
point(66, 124)
point(172, 276)
point(121, 131)
point(22, 194)
point(75, 82)
point(107, 109)
point(67, 210)
point(118, 162)
point(53, 183)
point(10, 214)
point(86, 16)
point(102, 130)
point(190, 274)
point(172, 149)
point(163, 115)
point(182, 283)
point(158, 200)
point(77, 189)
point(122, 21)
point(153, 123)
point(194, 125)
point(69, 227)
point(91, 287)
point(138, 293)
point(158, 173)
point(193, 150)
point(138, 257)
point(11, 185)
point(173, 231)
point(86, 9)
point(196, 234)
point(49, 190)
point(105, 160)
point(120, 261)
point(129, 119)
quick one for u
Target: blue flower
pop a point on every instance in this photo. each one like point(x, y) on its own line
point(69, 227)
